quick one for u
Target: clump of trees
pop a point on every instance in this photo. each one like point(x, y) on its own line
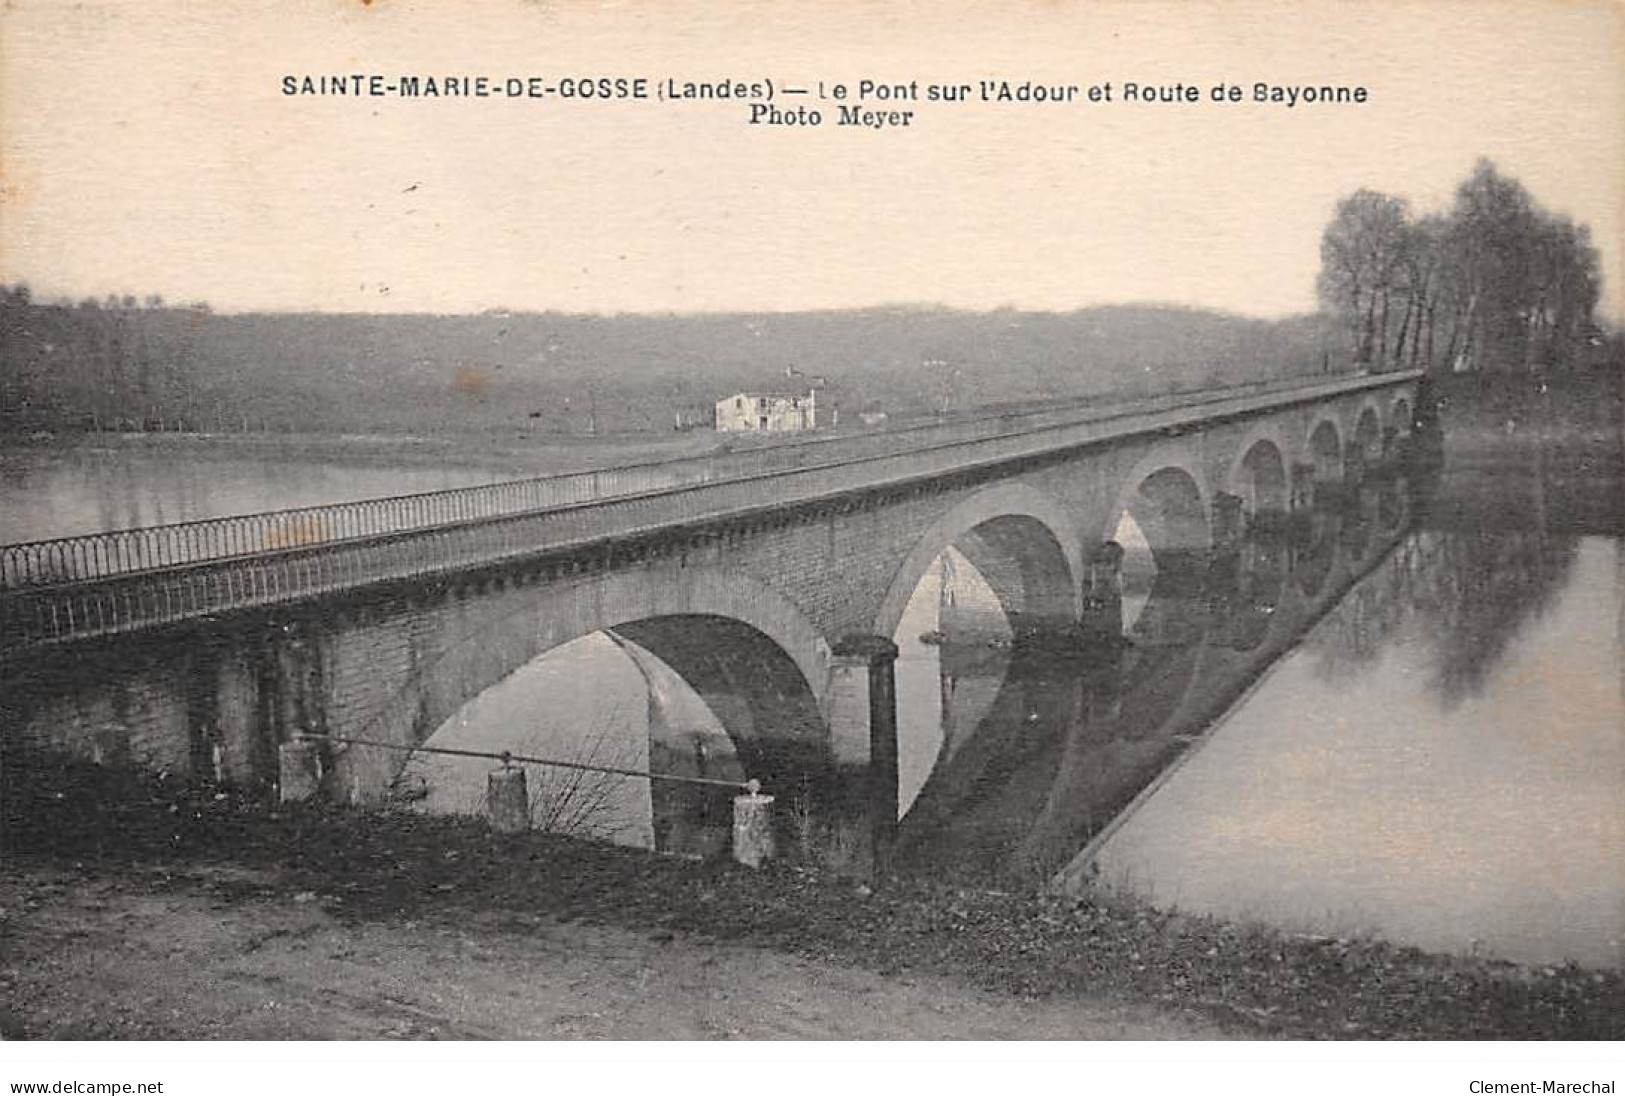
point(121, 363)
point(1496, 283)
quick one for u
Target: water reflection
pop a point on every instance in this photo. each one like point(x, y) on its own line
point(1440, 761)
point(1041, 747)
point(1423, 701)
point(128, 481)
point(1461, 596)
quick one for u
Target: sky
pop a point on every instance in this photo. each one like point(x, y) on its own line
point(148, 148)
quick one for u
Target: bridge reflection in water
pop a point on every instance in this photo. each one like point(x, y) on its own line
point(1019, 739)
point(1439, 760)
point(1043, 742)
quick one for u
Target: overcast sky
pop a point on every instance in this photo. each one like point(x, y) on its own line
point(148, 149)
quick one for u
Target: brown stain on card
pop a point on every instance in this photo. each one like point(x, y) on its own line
point(471, 380)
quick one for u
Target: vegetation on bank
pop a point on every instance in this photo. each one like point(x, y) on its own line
point(119, 364)
point(383, 867)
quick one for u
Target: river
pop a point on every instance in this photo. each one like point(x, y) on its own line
point(96, 483)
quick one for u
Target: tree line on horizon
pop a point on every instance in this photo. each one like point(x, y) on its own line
point(1493, 284)
point(127, 366)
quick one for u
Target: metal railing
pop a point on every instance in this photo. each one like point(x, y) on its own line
point(450, 530)
point(127, 551)
point(507, 757)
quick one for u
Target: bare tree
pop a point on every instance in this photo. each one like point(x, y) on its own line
point(1362, 258)
point(1507, 284)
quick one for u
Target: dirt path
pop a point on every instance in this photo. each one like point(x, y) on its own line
point(227, 953)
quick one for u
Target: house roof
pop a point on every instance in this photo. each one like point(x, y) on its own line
point(801, 395)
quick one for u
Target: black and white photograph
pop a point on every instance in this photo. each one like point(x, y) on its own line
point(548, 522)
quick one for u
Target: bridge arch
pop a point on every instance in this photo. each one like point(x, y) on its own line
point(749, 654)
point(1261, 477)
point(1161, 520)
point(1167, 496)
point(1185, 524)
point(1366, 443)
point(1259, 474)
point(1324, 446)
point(1022, 541)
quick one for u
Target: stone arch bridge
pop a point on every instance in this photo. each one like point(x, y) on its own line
point(771, 580)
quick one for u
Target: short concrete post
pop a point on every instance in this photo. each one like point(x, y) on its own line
point(110, 747)
point(507, 800)
point(299, 770)
point(753, 827)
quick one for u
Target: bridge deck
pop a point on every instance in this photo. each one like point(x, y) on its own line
point(80, 587)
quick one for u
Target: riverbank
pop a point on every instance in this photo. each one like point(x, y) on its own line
point(93, 856)
point(220, 952)
point(515, 453)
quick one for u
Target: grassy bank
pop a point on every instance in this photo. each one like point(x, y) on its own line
point(384, 868)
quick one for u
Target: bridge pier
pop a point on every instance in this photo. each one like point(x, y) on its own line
point(299, 770)
point(1229, 522)
point(1358, 460)
point(1303, 485)
point(863, 747)
point(1102, 623)
point(1333, 496)
point(1269, 524)
point(1229, 529)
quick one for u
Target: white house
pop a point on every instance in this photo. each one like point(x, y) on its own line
point(768, 411)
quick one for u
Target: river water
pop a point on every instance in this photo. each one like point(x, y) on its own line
point(1440, 762)
point(1406, 720)
point(125, 482)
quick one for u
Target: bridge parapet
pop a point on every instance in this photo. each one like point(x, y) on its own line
point(130, 551)
point(118, 582)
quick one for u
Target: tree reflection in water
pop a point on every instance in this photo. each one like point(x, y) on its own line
point(1057, 738)
point(1454, 597)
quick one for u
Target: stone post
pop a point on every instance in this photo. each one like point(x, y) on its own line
point(507, 800)
point(863, 743)
point(299, 770)
point(753, 828)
